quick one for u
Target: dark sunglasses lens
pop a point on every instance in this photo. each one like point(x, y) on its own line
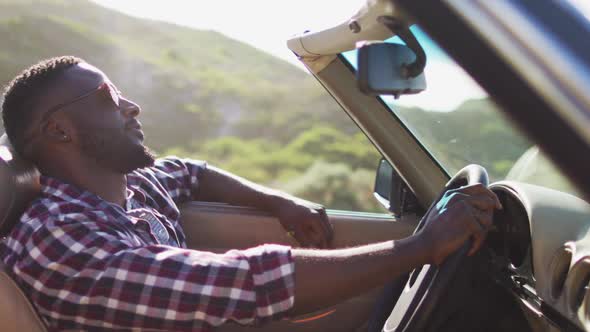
point(113, 95)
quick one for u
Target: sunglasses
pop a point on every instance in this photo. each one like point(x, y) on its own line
point(105, 89)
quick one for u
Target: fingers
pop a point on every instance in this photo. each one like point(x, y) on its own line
point(318, 230)
point(314, 231)
point(326, 225)
point(477, 190)
point(308, 223)
point(478, 226)
point(484, 218)
point(301, 236)
point(316, 235)
point(478, 229)
point(474, 215)
point(482, 201)
point(296, 232)
point(465, 213)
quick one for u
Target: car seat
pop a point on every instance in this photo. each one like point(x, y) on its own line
point(19, 184)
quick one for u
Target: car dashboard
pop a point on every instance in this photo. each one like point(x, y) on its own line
point(539, 250)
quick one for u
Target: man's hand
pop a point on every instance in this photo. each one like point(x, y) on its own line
point(307, 222)
point(459, 215)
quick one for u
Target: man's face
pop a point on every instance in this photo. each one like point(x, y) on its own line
point(105, 132)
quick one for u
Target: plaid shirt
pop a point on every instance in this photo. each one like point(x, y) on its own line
point(88, 264)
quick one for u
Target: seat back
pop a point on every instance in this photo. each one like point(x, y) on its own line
point(16, 311)
point(19, 184)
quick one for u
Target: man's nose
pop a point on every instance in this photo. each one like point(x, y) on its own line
point(129, 108)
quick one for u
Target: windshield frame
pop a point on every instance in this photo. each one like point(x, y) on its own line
point(461, 108)
point(384, 104)
point(480, 54)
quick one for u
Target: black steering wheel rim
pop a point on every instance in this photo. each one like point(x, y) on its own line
point(426, 285)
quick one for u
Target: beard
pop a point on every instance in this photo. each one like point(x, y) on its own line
point(114, 150)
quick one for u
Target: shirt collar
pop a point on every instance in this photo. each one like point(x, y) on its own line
point(54, 187)
point(57, 188)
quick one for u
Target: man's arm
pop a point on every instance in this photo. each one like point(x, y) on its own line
point(85, 275)
point(218, 185)
point(89, 275)
point(306, 220)
point(327, 277)
point(186, 179)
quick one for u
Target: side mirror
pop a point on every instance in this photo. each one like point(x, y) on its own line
point(392, 192)
point(386, 68)
point(383, 183)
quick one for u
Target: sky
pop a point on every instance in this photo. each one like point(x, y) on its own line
point(267, 24)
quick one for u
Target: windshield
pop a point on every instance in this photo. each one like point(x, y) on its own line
point(459, 124)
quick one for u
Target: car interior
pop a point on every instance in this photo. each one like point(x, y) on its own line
point(532, 273)
point(209, 226)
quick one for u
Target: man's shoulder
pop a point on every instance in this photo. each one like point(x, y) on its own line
point(47, 221)
point(169, 181)
point(44, 210)
point(173, 162)
point(166, 167)
point(46, 213)
point(163, 164)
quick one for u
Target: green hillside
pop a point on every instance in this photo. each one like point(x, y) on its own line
point(210, 97)
point(203, 95)
point(473, 133)
point(192, 84)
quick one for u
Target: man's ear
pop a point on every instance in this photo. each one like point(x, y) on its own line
point(56, 131)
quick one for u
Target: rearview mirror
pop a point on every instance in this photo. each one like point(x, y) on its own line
point(383, 69)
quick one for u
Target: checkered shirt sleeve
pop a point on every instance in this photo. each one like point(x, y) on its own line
point(87, 275)
point(179, 177)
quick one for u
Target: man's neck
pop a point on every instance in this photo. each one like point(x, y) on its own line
point(108, 185)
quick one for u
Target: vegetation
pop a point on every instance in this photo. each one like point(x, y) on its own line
point(475, 132)
point(209, 97)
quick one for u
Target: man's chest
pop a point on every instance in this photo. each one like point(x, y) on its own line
point(152, 225)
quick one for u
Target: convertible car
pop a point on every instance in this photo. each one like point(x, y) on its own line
point(527, 63)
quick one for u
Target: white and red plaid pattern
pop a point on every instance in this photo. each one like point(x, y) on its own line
point(87, 264)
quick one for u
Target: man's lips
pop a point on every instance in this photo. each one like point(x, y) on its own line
point(134, 125)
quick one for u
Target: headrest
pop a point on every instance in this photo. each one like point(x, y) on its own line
point(19, 185)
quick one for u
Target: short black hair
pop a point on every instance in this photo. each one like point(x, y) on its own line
point(22, 93)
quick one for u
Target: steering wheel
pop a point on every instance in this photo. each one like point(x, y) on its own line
point(426, 285)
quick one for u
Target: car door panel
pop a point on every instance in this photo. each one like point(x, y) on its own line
point(219, 227)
